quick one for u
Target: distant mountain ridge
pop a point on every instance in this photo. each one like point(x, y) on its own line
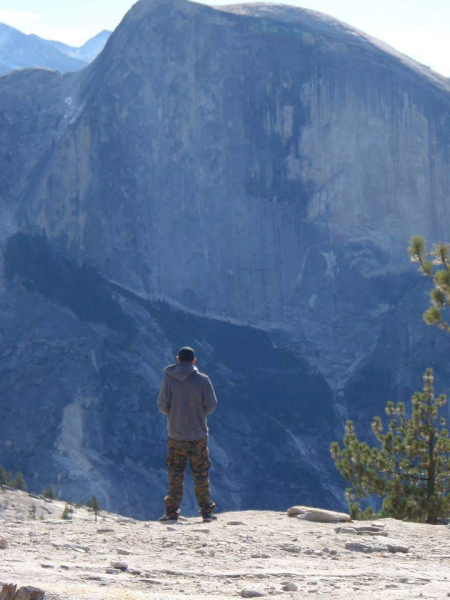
point(21, 51)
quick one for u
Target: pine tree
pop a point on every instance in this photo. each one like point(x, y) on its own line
point(32, 512)
point(4, 476)
point(49, 493)
point(410, 466)
point(18, 483)
point(436, 266)
point(67, 513)
point(94, 504)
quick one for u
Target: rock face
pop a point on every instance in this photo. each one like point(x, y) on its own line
point(244, 180)
point(20, 51)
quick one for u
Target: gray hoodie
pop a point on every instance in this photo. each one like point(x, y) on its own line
point(186, 398)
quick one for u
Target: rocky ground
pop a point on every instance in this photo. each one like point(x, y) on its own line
point(247, 554)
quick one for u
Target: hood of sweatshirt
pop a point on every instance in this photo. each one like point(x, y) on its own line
point(180, 372)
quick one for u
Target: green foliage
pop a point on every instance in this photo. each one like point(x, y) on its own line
point(94, 505)
point(416, 246)
point(32, 512)
point(49, 493)
point(67, 513)
point(436, 266)
point(355, 508)
point(409, 467)
point(369, 514)
point(4, 476)
point(18, 483)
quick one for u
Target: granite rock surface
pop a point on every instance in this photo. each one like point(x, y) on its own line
point(79, 559)
point(244, 180)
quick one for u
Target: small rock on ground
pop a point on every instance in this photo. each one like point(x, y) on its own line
point(360, 547)
point(290, 587)
point(119, 565)
point(395, 546)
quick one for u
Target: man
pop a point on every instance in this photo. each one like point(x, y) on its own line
point(186, 398)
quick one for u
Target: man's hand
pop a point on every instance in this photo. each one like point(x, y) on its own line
point(164, 397)
point(209, 397)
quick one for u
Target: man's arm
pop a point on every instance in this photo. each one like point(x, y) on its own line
point(209, 397)
point(164, 397)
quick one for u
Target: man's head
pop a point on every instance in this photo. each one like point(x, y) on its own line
point(186, 355)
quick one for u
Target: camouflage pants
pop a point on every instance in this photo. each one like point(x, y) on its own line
point(178, 454)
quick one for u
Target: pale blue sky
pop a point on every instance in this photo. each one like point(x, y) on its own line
point(419, 28)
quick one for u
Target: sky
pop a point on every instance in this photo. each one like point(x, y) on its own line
point(418, 28)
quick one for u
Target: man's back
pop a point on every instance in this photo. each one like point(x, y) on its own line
point(186, 397)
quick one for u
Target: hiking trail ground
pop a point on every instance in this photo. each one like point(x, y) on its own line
point(259, 552)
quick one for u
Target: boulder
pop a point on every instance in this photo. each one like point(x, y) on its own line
point(3, 544)
point(10, 592)
point(252, 594)
point(29, 593)
point(318, 514)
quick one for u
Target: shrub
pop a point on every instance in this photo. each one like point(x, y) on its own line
point(94, 505)
point(49, 493)
point(18, 483)
point(67, 513)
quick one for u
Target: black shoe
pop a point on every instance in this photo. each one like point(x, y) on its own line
point(168, 519)
point(209, 517)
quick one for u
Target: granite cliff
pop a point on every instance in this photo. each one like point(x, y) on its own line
point(244, 180)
